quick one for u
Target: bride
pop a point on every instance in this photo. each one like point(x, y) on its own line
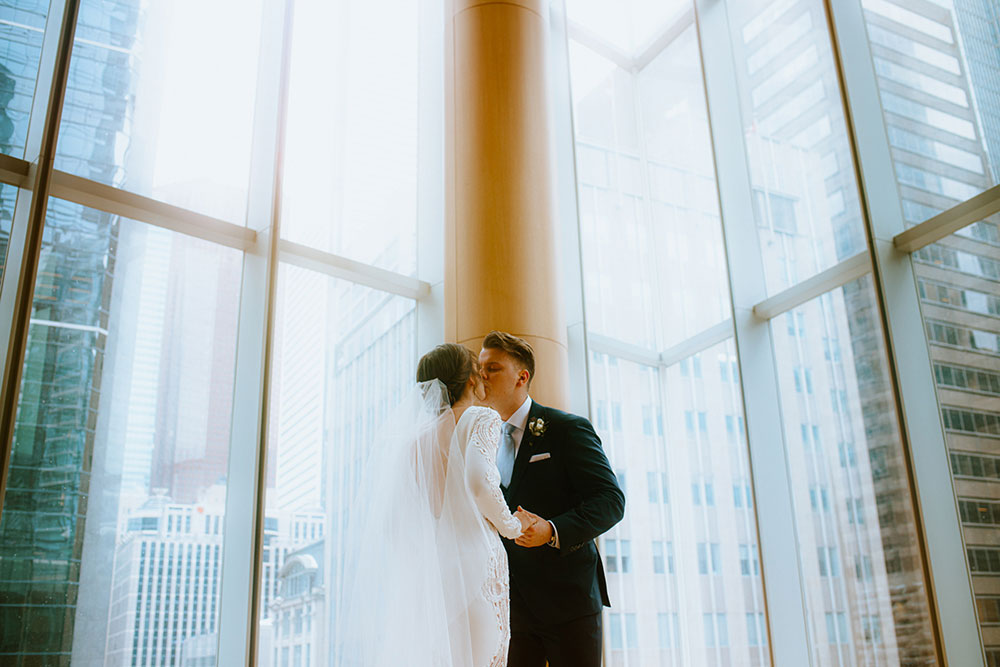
point(424, 577)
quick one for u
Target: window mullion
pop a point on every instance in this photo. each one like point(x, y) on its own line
point(244, 521)
point(948, 573)
point(779, 548)
point(17, 290)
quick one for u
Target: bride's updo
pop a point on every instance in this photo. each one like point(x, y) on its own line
point(450, 363)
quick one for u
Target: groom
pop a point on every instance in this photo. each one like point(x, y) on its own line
point(551, 464)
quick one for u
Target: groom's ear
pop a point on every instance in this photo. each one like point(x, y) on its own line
point(524, 377)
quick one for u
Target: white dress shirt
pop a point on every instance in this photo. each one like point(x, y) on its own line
point(519, 420)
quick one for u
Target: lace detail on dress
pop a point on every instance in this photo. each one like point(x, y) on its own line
point(496, 590)
point(485, 437)
point(484, 482)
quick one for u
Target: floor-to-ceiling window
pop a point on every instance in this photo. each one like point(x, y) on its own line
point(725, 215)
point(683, 566)
point(114, 548)
point(657, 284)
point(938, 69)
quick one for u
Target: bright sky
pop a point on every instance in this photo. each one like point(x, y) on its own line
point(209, 69)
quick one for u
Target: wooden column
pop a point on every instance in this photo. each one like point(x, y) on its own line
point(501, 264)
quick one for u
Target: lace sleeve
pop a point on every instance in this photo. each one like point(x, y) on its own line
point(483, 477)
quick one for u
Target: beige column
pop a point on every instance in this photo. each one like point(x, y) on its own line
point(501, 264)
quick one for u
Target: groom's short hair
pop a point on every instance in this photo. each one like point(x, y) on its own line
point(516, 347)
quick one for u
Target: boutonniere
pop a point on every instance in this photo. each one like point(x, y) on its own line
point(537, 426)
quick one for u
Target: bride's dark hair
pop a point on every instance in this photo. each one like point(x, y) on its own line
point(450, 363)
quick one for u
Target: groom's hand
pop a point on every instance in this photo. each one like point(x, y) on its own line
point(537, 534)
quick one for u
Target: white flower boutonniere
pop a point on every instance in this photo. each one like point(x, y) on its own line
point(537, 426)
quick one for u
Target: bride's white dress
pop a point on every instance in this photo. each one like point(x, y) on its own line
point(478, 436)
point(419, 570)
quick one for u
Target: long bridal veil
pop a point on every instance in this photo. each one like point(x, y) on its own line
point(415, 550)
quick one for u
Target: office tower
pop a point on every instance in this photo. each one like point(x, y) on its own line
point(298, 612)
point(861, 514)
point(196, 358)
point(939, 78)
point(48, 485)
point(370, 366)
point(301, 345)
point(167, 573)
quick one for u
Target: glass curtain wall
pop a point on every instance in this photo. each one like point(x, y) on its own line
point(112, 535)
point(851, 493)
point(344, 354)
point(683, 566)
point(656, 292)
point(938, 69)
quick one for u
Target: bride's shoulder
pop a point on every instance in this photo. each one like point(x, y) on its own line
point(482, 415)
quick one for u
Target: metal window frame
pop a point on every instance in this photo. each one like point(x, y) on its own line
point(37, 180)
point(784, 590)
point(947, 574)
point(34, 177)
point(243, 523)
point(948, 222)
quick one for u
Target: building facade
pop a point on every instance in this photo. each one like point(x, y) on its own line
point(49, 480)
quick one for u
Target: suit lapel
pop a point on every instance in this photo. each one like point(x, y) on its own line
point(524, 451)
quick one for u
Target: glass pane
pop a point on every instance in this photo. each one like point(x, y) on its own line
point(111, 534)
point(160, 105)
point(960, 300)
point(938, 67)
point(344, 355)
point(630, 27)
point(805, 195)
point(650, 231)
point(684, 562)
point(683, 567)
point(859, 555)
point(22, 26)
point(350, 181)
point(8, 196)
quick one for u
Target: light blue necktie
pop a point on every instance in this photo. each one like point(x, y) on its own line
point(505, 455)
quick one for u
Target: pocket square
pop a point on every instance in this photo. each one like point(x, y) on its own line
point(540, 457)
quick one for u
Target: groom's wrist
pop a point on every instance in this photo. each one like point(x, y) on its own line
point(554, 540)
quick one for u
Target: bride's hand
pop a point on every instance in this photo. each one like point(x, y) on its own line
point(527, 519)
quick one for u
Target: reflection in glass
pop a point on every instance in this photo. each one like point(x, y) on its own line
point(110, 538)
point(350, 180)
point(957, 280)
point(8, 197)
point(683, 567)
point(631, 27)
point(22, 26)
point(172, 100)
point(649, 218)
point(805, 196)
point(858, 547)
point(344, 355)
point(938, 70)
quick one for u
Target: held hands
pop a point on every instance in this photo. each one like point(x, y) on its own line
point(527, 519)
point(535, 531)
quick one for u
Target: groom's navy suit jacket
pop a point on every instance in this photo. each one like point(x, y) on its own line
point(575, 488)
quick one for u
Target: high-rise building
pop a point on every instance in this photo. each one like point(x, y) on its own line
point(197, 334)
point(48, 484)
point(167, 573)
point(938, 69)
point(297, 614)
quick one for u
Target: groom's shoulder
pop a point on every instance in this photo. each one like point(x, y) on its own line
point(558, 417)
